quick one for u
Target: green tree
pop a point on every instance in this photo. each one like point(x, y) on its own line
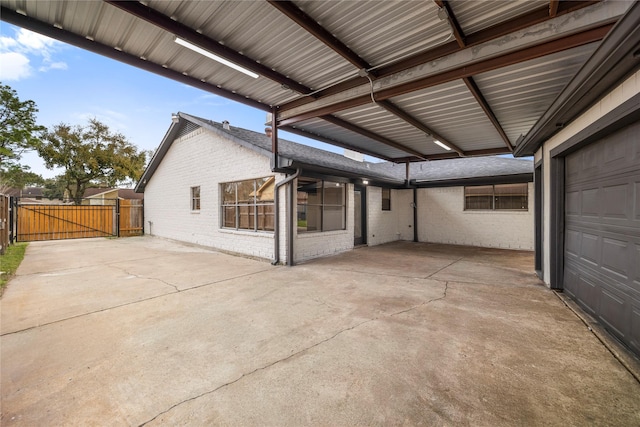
point(54, 188)
point(18, 129)
point(17, 176)
point(90, 154)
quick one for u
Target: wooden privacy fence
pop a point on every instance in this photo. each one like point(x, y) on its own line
point(56, 222)
point(131, 218)
point(4, 223)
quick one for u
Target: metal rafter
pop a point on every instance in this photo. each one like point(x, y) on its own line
point(460, 72)
point(394, 109)
point(66, 36)
point(516, 24)
point(160, 20)
point(453, 22)
point(475, 91)
point(292, 11)
point(371, 135)
point(330, 141)
point(321, 33)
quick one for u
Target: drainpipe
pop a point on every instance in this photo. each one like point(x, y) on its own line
point(415, 214)
point(276, 219)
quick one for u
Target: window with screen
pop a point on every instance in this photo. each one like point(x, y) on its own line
point(512, 197)
point(195, 198)
point(248, 204)
point(321, 205)
point(386, 199)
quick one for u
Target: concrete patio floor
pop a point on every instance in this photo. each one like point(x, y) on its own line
point(144, 331)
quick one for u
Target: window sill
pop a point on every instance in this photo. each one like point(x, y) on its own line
point(312, 234)
point(258, 233)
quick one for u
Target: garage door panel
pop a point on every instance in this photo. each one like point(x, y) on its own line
point(615, 201)
point(590, 202)
point(612, 311)
point(634, 336)
point(636, 205)
point(589, 248)
point(615, 257)
point(602, 231)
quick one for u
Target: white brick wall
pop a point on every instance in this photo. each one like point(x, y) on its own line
point(204, 159)
point(389, 226)
point(442, 219)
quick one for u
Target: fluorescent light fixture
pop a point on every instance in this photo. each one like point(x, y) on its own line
point(435, 141)
point(215, 57)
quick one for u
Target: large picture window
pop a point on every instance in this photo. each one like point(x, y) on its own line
point(512, 197)
point(248, 205)
point(321, 205)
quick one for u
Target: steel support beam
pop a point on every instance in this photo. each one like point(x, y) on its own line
point(525, 21)
point(324, 107)
point(475, 91)
point(394, 109)
point(156, 18)
point(292, 11)
point(307, 134)
point(458, 34)
point(371, 135)
point(73, 39)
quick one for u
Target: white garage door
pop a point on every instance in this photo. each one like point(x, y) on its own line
point(602, 232)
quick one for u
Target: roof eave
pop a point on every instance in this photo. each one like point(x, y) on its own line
point(615, 59)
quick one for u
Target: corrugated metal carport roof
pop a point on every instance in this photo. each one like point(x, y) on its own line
point(384, 78)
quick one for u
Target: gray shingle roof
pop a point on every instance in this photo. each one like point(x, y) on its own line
point(336, 164)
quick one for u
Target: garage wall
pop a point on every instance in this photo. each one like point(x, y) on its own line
point(205, 159)
point(442, 219)
point(389, 226)
point(622, 93)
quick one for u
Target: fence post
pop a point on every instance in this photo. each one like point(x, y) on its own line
point(118, 217)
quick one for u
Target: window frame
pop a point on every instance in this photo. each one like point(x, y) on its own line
point(256, 212)
point(386, 207)
point(493, 197)
point(324, 205)
point(195, 198)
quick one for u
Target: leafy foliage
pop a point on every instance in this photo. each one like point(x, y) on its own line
point(17, 176)
point(18, 129)
point(90, 154)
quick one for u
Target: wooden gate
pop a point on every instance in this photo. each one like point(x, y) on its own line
point(56, 222)
point(131, 218)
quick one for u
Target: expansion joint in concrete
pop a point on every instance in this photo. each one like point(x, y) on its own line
point(292, 355)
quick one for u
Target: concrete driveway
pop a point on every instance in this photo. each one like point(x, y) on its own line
point(143, 331)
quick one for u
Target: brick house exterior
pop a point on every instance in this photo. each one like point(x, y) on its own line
point(200, 164)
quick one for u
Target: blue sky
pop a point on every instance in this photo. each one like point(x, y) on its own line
point(71, 85)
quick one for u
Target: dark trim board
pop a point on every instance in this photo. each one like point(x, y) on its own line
point(481, 180)
point(620, 117)
point(538, 223)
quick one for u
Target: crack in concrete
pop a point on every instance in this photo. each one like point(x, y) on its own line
point(53, 322)
point(144, 277)
point(292, 355)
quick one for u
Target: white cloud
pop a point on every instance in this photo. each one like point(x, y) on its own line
point(26, 48)
point(53, 66)
point(15, 66)
point(34, 41)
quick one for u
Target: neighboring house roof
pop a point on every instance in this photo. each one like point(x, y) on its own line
point(32, 192)
point(293, 155)
point(123, 193)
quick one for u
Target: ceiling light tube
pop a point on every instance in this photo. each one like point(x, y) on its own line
point(435, 141)
point(215, 57)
